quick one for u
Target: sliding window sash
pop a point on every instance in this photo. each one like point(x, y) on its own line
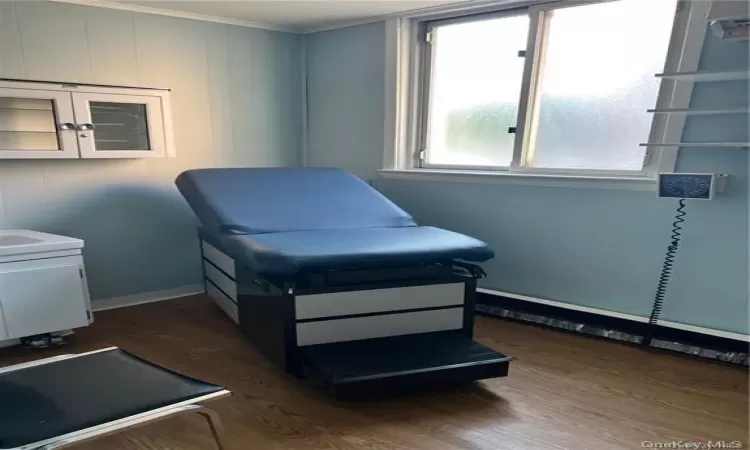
point(528, 106)
point(428, 43)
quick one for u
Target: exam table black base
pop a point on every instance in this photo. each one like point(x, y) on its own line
point(360, 332)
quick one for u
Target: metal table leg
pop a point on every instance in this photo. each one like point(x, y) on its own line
point(217, 429)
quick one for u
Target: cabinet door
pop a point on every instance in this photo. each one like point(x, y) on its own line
point(42, 296)
point(120, 126)
point(36, 124)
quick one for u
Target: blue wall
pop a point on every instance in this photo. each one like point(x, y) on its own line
point(237, 100)
point(598, 248)
point(345, 70)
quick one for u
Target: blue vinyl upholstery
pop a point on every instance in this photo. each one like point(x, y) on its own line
point(268, 200)
point(358, 248)
point(291, 220)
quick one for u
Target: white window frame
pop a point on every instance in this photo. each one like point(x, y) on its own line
point(405, 92)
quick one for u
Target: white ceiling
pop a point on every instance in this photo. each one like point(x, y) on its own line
point(298, 15)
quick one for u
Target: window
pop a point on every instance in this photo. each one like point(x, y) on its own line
point(551, 88)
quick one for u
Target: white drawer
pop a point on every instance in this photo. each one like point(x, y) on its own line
point(378, 300)
point(218, 258)
point(226, 284)
point(224, 302)
point(352, 329)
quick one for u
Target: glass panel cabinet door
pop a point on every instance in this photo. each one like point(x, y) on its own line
point(119, 126)
point(36, 124)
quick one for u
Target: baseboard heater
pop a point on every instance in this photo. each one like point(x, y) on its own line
point(718, 348)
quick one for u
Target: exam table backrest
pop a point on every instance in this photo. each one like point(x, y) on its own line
point(269, 200)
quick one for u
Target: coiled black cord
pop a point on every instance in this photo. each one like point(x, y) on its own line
point(666, 269)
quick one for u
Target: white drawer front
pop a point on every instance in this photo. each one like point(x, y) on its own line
point(42, 296)
point(224, 283)
point(224, 302)
point(352, 329)
point(219, 259)
point(377, 300)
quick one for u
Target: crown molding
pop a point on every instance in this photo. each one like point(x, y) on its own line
point(427, 13)
point(463, 6)
point(181, 14)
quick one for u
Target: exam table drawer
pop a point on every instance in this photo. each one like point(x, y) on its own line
point(378, 300)
point(220, 280)
point(218, 258)
point(224, 302)
point(382, 325)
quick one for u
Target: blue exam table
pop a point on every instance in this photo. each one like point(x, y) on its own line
point(333, 282)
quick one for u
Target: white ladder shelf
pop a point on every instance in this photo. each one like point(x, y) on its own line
point(696, 77)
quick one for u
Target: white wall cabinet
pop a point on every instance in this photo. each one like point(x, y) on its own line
point(48, 120)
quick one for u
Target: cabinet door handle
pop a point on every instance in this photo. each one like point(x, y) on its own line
point(67, 126)
point(85, 126)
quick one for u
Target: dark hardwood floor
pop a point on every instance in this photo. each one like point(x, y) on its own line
point(563, 392)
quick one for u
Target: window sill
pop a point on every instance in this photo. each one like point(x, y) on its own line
point(630, 183)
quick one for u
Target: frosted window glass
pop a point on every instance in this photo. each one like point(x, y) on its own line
point(476, 84)
point(597, 82)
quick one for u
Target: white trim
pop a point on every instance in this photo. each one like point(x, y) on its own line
point(312, 29)
point(392, 90)
point(707, 76)
point(527, 122)
point(428, 13)
point(41, 243)
point(146, 297)
point(619, 315)
point(70, 87)
point(603, 312)
point(677, 94)
point(702, 330)
point(529, 179)
point(700, 111)
point(182, 15)
point(696, 144)
point(155, 119)
point(52, 359)
point(40, 255)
